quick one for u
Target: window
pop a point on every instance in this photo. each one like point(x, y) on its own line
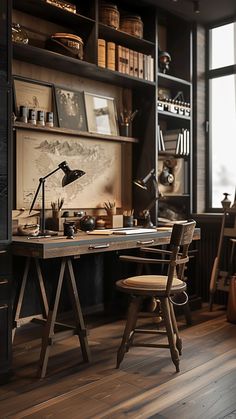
point(222, 114)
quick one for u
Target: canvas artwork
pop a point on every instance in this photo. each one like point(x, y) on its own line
point(32, 95)
point(101, 114)
point(37, 155)
point(70, 109)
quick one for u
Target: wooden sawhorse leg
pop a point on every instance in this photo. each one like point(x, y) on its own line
point(17, 320)
point(49, 335)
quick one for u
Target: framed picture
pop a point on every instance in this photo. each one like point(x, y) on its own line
point(101, 114)
point(37, 154)
point(32, 94)
point(70, 109)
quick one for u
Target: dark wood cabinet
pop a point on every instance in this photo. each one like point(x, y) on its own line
point(5, 189)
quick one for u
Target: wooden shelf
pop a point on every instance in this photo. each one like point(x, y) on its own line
point(82, 134)
point(167, 80)
point(173, 115)
point(52, 13)
point(126, 39)
point(50, 59)
point(176, 156)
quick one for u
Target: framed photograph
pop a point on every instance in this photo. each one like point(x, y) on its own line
point(37, 154)
point(70, 109)
point(101, 114)
point(32, 94)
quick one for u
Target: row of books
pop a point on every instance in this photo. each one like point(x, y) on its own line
point(174, 141)
point(118, 58)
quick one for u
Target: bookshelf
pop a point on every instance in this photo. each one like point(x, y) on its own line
point(140, 91)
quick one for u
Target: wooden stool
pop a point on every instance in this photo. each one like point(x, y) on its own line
point(164, 289)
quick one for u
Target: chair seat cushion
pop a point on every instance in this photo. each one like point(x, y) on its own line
point(152, 282)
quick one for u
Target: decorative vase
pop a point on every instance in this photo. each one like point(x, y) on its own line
point(226, 202)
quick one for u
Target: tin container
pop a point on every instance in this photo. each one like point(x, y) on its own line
point(133, 25)
point(110, 15)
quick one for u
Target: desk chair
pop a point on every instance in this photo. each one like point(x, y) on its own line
point(164, 289)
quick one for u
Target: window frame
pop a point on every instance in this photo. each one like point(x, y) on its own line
point(210, 75)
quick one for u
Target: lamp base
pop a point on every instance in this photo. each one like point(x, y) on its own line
point(46, 233)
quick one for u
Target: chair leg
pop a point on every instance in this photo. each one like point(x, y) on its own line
point(211, 301)
point(170, 332)
point(132, 316)
point(176, 330)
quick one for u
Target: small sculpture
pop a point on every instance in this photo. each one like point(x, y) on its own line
point(164, 60)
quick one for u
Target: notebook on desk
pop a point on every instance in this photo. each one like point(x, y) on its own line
point(134, 231)
point(123, 231)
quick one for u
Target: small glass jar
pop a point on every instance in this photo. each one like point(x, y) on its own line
point(133, 25)
point(110, 15)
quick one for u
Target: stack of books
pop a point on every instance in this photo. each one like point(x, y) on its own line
point(177, 142)
point(118, 58)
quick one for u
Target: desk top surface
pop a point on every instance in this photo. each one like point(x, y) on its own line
point(83, 243)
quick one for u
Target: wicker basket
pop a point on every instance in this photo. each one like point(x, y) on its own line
point(67, 44)
point(133, 25)
point(110, 15)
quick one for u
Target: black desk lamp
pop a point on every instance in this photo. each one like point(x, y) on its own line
point(142, 183)
point(69, 176)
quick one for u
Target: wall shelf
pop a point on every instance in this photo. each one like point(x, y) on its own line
point(173, 115)
point(126, 39)
point(65, 131)
point(52, 13)
point(50, 59)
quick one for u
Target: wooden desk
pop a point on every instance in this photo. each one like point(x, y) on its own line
point(66, 249)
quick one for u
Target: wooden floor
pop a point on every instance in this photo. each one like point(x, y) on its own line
point(145, 386)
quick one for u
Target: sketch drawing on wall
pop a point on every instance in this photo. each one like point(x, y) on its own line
point(101, 161)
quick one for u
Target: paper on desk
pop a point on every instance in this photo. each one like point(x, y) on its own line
point(17, 214)
point(100, 232)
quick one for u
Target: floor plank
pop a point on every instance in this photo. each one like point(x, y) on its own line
point(145, 386)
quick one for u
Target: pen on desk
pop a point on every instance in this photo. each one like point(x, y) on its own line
point(38, 237)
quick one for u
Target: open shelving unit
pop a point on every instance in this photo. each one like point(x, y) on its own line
point(142, 93)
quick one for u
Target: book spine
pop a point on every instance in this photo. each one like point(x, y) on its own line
point(111, 55)
point(102, 53)
point(127, 65)
point(119, 64)
point(135, 63)
point(140, 65)
point(145, 67)
point(131, 62)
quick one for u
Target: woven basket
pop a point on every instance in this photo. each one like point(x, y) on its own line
point(133, 25)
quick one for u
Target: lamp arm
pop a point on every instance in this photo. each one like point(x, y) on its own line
point(36, 194)
point(149, 175)
point(41, 180)
point(51, 173)
point(152, 203)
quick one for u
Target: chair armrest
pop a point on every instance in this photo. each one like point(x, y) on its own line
point(154, 250)
point(181, 261)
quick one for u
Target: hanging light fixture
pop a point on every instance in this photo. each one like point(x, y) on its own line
point(196, 6)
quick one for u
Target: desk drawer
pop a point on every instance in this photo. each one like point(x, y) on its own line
point(102, 245)
point(109, 246)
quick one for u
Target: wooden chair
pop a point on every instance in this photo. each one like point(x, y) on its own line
point(164, 289)
point(224, 262)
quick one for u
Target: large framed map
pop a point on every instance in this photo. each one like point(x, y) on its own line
point(39, 154)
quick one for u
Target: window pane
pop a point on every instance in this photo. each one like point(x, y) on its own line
point(223, 137)
point(222, 41)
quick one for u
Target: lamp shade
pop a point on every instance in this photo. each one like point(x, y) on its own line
point(70, 175)
point(140, 183)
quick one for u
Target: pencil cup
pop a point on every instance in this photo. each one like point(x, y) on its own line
point(128, 220)
point(125, 130)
